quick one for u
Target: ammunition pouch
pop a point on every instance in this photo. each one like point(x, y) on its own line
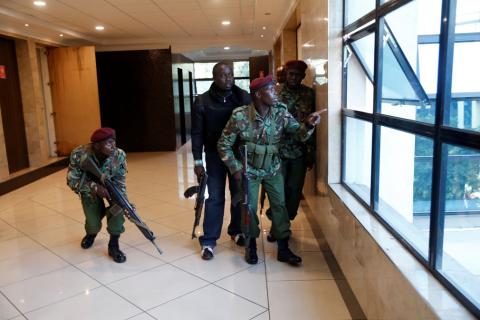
point(261, 156)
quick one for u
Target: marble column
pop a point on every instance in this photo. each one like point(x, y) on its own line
point(33, 102)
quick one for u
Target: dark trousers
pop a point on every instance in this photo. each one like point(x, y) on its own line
point(215, 204)
point(293, 171)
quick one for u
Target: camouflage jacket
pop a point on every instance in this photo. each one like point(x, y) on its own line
point(115, 167)
point(300, 103)
point(246, 125)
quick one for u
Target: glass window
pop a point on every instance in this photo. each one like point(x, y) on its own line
point(203, 70)
point(355, 9)
point(405, 184)
point(203, 85)
point(464, 112)
point(460, 261)
point(365, 50)
point(410, 66)
point(359, 85)
point(243, 83)
point(358, 157)
point(241, 69)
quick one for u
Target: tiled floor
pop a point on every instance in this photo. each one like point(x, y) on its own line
point(44, 274)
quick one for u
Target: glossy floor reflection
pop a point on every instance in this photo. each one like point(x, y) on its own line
point(44, 274)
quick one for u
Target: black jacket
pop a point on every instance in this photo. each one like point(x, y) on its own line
point(210, 114)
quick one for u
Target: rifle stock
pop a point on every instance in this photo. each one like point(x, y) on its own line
point(199, 200)
point(117, 198)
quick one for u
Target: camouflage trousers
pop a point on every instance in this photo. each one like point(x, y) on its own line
point(94, 210)
point(276, 197)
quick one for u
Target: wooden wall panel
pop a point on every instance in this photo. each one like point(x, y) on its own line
point(12, 109)
point(74, 87)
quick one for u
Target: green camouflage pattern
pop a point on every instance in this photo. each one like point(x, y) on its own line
point(246, 125)
point(300, 103)
point(115, 168)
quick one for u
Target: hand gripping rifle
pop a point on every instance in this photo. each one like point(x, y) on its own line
point(199, 200)
point(118, 199)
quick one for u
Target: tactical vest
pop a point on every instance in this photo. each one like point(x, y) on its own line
point(260, 156)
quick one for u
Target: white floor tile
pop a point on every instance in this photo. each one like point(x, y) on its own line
point(225, 263)
point(133, 237)
point(7, 310)
point(311, 299)
point(158, 211)
point(74, 254)
point(250, 284)
point(142, 316)
point(105, 270)
point(209, 303)
point(44, 223)
point(8, 232)
point(32, 211)
point(18, 246)
point(174, 247)
point(98, 304)
point(58, 236)
point(313, 267)
point(49, 288)
point(156, 286)
point(28, 265)
point(264, 316)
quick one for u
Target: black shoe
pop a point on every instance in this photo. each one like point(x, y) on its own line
point(87, 241)
point(251, 255)
point(117, 255)
point(239, 239)
point(286, 255)
point(270, 237)
point(207, 253)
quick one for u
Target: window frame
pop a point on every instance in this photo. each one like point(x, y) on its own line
point(374, 22)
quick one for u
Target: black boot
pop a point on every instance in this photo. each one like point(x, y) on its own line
point(286, 255)
point(251, 252)
point(270, 237)
point(114, 249)
point(88, 240)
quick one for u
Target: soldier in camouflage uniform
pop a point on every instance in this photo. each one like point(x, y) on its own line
point(112, 162)
point(261, 126)
point(297, 156)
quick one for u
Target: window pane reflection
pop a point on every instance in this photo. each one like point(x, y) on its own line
point(358, 156)
point(460, 261)
point(359, 86)
point(355, 9)
point(464, 112)
point(411, 61)
point(405, 185)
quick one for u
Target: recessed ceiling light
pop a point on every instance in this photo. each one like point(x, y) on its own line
point(40, 3)
point(61, 34)
point(100, 27)
point(26, 25)
point(226, 23)
point(226, 48)
point(264, 28)
point(261, 35)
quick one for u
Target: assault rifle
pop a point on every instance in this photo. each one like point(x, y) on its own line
point(118, 200)
point(199, 200)
point(245, 208)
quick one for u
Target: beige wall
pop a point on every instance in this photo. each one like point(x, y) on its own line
point(33, 103)
point(3, 153)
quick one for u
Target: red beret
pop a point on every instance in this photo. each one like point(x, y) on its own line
point(296, 64)
point(260, 83)
point(102, 134)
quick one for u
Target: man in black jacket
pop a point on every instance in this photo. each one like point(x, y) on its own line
point(210, 113)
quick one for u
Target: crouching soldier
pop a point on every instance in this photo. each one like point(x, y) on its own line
point(260, 126)
point(112, 162)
